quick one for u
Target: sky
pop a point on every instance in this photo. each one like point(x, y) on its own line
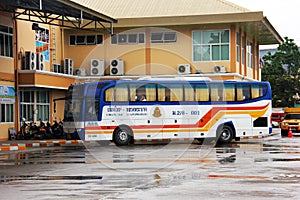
point(283, 15)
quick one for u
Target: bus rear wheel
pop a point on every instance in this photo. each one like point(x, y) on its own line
point(123, 136)
point(225, 134)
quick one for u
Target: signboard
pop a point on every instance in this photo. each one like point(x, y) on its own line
point(7, 95)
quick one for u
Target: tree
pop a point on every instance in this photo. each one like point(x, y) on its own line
point(282, 70)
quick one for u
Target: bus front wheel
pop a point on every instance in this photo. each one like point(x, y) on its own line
point(123, 136)
point(225, 134)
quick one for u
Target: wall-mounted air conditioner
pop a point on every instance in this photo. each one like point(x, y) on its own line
point(116, 67)
point(68, 66)
point(184, 69)
point(219, 69)
point(97, 67)
point(57, 68)
point(40, 61)
point(80, 72)
point(30, 60)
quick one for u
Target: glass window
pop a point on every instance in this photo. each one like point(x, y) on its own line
point(90, 39)
point(121, 92)
point(201, 92)
point(6, 41)
point(238, 44)
point(85, 39)
point(80, 39)
point(122, 38)
point(35, 102)
point(211, 45)
point(6, 113)
point(249, 54)
point(164, 37)
point(130, 38)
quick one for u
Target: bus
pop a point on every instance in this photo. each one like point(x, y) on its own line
point(112, 110)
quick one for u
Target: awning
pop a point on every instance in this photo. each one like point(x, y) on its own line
point(62, 13)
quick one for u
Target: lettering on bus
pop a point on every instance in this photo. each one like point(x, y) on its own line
point(136, 111)
point(178, 112)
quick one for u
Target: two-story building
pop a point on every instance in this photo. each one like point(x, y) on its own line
point(45, 47)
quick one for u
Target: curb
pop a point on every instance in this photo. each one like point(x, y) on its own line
point(33, 144)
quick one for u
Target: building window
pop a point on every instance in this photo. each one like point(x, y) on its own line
point(42, 42)
point(6, 41)
point(211, 45)
point(243, 50)
point(238, 45)
point(7, 113)
point(35, 102)
point(130, 38)
point(164, 37)
point(85, 39)
point(249, 54)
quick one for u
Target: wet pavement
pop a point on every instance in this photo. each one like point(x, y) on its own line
point(265, 168)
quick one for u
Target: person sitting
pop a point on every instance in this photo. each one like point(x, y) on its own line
point(142, 98)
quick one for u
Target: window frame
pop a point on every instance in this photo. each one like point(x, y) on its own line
point(7, 42)
point(203, 51)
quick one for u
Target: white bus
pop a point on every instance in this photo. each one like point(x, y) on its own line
point(170, 109)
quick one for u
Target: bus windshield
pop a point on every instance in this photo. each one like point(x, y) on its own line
point(73, 109)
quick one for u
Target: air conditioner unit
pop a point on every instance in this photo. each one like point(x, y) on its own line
point(57, 68)
point(68, 66)
point(97, 67)
point(219, 69)
point(80, 72)
point(184, 69)
point(116, 67)
point(30, 60)
point(40, 61)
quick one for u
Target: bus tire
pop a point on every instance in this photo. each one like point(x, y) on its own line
point(123, 136)
point(225, 134)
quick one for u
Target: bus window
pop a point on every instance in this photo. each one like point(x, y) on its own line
point(229, 92)
point(109, 94)
point(243, 92)
point(121, 92)
point(176, 92)
point(189, 93)
point(201, 92)
point(255, 91)
point(216, 92)
point(91, 109)
point(150, 92)
point(161, 93)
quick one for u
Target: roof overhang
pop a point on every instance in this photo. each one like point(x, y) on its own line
point(254, 22)
point(62, 13)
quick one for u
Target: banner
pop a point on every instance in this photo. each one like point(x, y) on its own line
point(7, 95)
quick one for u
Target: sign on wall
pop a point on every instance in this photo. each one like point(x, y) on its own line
point(7, 95)
point(42, 42)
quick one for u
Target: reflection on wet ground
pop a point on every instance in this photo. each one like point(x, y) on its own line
point(258, 168)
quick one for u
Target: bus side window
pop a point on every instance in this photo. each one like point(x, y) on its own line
point(214, 93)
point(243, 92)
point(121, 92)
point(109, 94)
point(239, 93)
point(132, 92)
point(201, 92)
point(255, 91)
point(150, 92)
point(189, 93)
point(176, 92)
point(229, 92)
point(161, 92)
